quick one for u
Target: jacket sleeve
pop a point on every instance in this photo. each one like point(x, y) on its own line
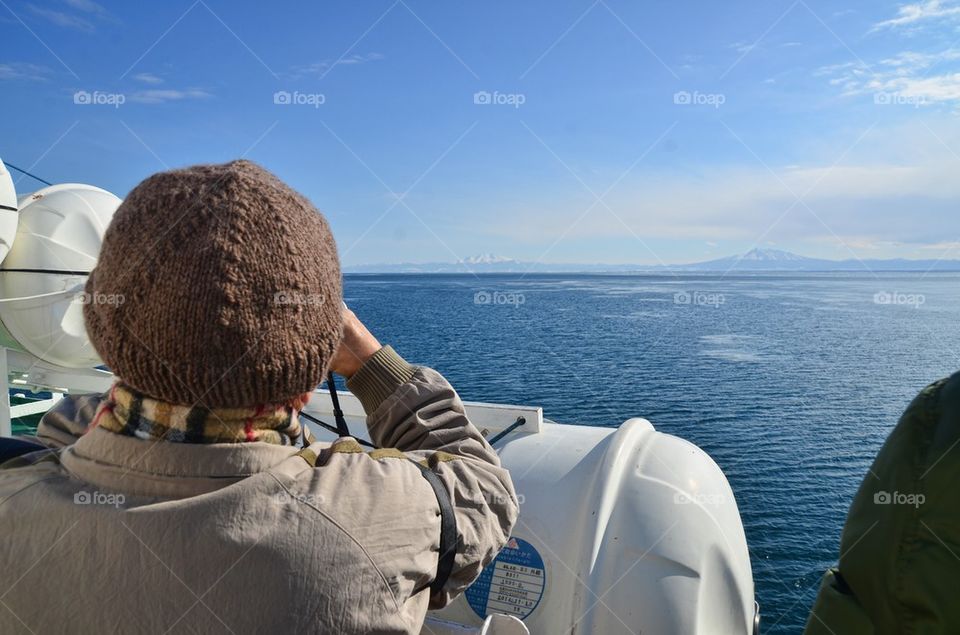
point(415, 410)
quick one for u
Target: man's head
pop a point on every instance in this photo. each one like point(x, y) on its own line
point(231, 289)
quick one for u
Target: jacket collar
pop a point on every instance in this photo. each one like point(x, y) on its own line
point(158, 468)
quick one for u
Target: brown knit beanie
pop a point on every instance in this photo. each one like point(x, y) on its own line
point(227, 289)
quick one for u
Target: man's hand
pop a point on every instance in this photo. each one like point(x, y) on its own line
point(357, 346)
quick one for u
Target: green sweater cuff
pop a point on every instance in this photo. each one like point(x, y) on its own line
point(379, 377)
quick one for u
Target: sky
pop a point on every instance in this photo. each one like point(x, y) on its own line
point(545, 130)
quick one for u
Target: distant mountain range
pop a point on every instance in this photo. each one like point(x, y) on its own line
point(756, 260)
point(777, 260)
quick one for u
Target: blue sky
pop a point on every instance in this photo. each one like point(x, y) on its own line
point(606, 131)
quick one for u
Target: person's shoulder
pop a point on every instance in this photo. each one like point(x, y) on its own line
point(23, 473)
point(948, 387)
point(931, 424)
point(941, 395)
point(935, 393)
point(944, 402)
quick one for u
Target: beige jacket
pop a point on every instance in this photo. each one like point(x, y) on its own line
point(114, 534)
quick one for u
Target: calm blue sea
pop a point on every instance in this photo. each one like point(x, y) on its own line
point(790, 382)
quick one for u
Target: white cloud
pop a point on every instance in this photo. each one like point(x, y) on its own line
point(897, 187)
point(87, 6)
point(148, 78)
point(942, 88)
point(322, 67)
point(361, 59)
point(903, 78)
point(24, 70)
point(909, 15)
point(160, 96)
point(943, 246)
point(910, 61)
point(62, 19)
point(743, 47)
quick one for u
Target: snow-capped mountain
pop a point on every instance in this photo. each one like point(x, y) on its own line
point(768, 260)
point(486, 259)
point(755, 260)
point(485, 263)
point(770, 255)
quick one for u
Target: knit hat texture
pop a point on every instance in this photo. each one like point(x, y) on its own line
point(227, 286)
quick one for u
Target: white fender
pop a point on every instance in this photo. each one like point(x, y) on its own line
point(8, 212)
point(57, 242)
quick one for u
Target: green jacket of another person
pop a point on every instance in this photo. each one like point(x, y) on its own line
point(900, 549)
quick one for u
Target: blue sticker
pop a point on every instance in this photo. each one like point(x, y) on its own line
point(512, 584)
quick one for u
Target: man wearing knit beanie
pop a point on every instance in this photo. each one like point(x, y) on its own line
point(190, 497)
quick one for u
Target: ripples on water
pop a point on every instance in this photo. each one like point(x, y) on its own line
point(790, 382)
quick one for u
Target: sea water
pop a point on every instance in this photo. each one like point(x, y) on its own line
point(790, 382)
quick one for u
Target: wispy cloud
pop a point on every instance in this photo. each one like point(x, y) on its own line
point(908, 75)
point(322, 67)
point(148, 78)
point(87, 6)
point(161, 96)
point(912, 15)
point(62, 19)
point(88, 9)
point(743, 47)
point(24, 70)
point(943, 246)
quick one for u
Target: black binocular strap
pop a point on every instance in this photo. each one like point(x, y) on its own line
point(449, 540)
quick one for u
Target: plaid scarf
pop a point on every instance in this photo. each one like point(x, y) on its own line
point(125, 411)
